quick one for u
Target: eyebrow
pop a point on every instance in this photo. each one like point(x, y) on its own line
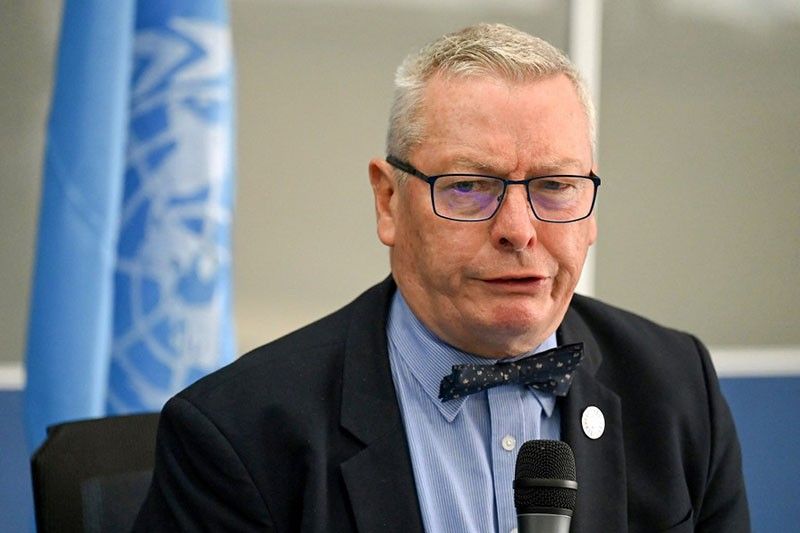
point(557, 165)
point(551, 166)
point(470, 164)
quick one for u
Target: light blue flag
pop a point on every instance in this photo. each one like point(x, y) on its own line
point(172, 312)
point(69, 330)
point(131, 297)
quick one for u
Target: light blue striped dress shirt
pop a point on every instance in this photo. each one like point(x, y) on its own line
point(463, 451)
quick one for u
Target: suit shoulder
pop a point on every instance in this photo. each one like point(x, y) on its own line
point(311, 342)
point(637, 347)
point(608, 320)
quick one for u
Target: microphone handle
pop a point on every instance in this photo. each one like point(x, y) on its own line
point(543, 523)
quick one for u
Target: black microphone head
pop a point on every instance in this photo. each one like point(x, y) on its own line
point(545, 477)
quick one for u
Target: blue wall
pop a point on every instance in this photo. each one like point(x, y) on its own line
point(767, 413)
point(16, 499)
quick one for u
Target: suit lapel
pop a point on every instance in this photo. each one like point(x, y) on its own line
point(600, 463)
point(379, 479)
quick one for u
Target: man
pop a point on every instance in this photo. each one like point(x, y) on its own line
point(485, 200)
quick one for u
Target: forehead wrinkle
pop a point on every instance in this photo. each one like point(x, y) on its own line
point(451, 120)
point(481, 156)
point(456, 132)
point(479, 160)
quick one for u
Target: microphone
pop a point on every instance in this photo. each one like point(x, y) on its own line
point(544, 487)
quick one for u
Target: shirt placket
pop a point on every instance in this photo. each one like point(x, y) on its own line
point(512, 423)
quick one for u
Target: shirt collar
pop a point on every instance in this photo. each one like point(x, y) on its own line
point(429, 358)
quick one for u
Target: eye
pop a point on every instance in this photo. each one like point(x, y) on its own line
point(553, 185)
point(557, 186)
point(465, 186)
point(470, 185)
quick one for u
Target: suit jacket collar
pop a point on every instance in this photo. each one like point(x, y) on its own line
point(379, 479)
point(600, 463)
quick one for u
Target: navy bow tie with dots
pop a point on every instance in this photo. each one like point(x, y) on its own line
point(549, 371)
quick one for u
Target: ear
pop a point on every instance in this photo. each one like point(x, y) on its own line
point(384, 188)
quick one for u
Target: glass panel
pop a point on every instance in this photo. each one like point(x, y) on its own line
point(699, 224)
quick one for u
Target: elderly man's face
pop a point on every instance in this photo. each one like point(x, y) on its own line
point(501, 286)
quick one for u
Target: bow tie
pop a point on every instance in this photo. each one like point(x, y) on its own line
point(549, 371)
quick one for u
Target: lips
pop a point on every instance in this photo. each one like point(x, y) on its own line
point(514, 276)
point(526, 286)
point(513, 281)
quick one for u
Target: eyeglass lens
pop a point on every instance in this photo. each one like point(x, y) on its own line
point(555, 198)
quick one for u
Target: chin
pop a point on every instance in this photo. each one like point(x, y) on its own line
point(523, 315)
point(529, 324)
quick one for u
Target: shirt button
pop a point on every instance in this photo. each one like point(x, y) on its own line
point(509, 443)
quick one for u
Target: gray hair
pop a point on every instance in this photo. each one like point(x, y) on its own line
point(484, 49)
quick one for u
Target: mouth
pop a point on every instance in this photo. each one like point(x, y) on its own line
point(517, 282)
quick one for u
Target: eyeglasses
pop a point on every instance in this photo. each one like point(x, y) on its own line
point(475, 197)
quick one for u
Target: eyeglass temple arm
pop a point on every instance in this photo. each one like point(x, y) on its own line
point(405, 167)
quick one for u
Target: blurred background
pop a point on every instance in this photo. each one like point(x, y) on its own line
point(698, 150)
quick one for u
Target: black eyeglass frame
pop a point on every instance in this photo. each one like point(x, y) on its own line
point(408, 168)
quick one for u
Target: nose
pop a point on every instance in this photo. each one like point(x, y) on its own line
point(513, 224)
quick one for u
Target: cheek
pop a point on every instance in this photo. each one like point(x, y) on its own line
point(414, 252)
point(433, 256)
point(437, 254)
point(568, 246)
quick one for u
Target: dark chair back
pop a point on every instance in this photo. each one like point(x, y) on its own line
point(93, 475)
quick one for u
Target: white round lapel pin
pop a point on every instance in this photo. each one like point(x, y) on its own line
point(593, 422)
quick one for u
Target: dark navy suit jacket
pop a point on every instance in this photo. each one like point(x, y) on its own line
point(305, 434)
